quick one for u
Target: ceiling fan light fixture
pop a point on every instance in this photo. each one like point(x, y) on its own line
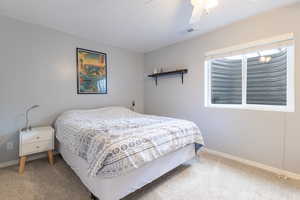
point(200, 7)
point(210, 4)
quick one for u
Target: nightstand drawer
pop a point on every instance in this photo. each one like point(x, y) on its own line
point(37, 135)
point(36, 147)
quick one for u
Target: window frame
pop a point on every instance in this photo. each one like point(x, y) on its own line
point(290, 107)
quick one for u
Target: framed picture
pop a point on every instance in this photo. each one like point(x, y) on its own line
point(91, 72)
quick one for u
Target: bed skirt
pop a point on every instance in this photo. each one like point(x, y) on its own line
point(118, 187)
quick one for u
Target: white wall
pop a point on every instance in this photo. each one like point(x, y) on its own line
point(38, 66)
point(254, 135)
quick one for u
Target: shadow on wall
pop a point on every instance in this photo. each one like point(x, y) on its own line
point(3, 140)
point(9, 146)
point(9, 142)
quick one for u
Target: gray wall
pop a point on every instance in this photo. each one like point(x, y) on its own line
point(38, 66)
point(253, 135)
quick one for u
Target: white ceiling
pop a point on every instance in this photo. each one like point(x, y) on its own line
point(139, 25)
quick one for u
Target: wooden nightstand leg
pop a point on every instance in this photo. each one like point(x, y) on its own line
point(22, 164)
point(50, 157)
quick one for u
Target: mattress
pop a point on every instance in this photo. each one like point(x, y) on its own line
point(118, 187)
point(115, 140)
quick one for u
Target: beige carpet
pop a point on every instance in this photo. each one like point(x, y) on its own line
point(210, 178)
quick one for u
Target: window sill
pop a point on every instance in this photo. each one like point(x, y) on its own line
point(253, 107)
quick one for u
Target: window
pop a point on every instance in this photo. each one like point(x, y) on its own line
point(259, 77)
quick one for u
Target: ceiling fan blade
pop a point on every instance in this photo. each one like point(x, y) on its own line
point(196, 15)
point(200, 7)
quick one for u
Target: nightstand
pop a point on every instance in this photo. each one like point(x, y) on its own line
point(36, 140)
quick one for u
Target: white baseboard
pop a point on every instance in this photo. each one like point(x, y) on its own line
point(30, 158)
point(279, 172)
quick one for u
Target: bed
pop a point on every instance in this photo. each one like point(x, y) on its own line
point(115, 151)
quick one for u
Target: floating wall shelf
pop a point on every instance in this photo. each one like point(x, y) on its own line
point(179, 72)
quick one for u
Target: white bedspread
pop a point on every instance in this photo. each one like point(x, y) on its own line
point(115, 140)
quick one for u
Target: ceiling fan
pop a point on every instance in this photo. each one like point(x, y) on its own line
point(201, 7)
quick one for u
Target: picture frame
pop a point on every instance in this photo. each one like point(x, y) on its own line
point(91, 68)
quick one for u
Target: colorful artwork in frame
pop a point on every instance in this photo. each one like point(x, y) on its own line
point(91, 72)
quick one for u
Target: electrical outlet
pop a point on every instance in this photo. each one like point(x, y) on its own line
point(10, 146)
point(1, 140)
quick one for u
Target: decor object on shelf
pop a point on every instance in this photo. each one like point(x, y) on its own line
point(91, 72)
point(132, 106)
point(201, 7)
point(27, 126)
point(36, 140)
point(179, 71)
